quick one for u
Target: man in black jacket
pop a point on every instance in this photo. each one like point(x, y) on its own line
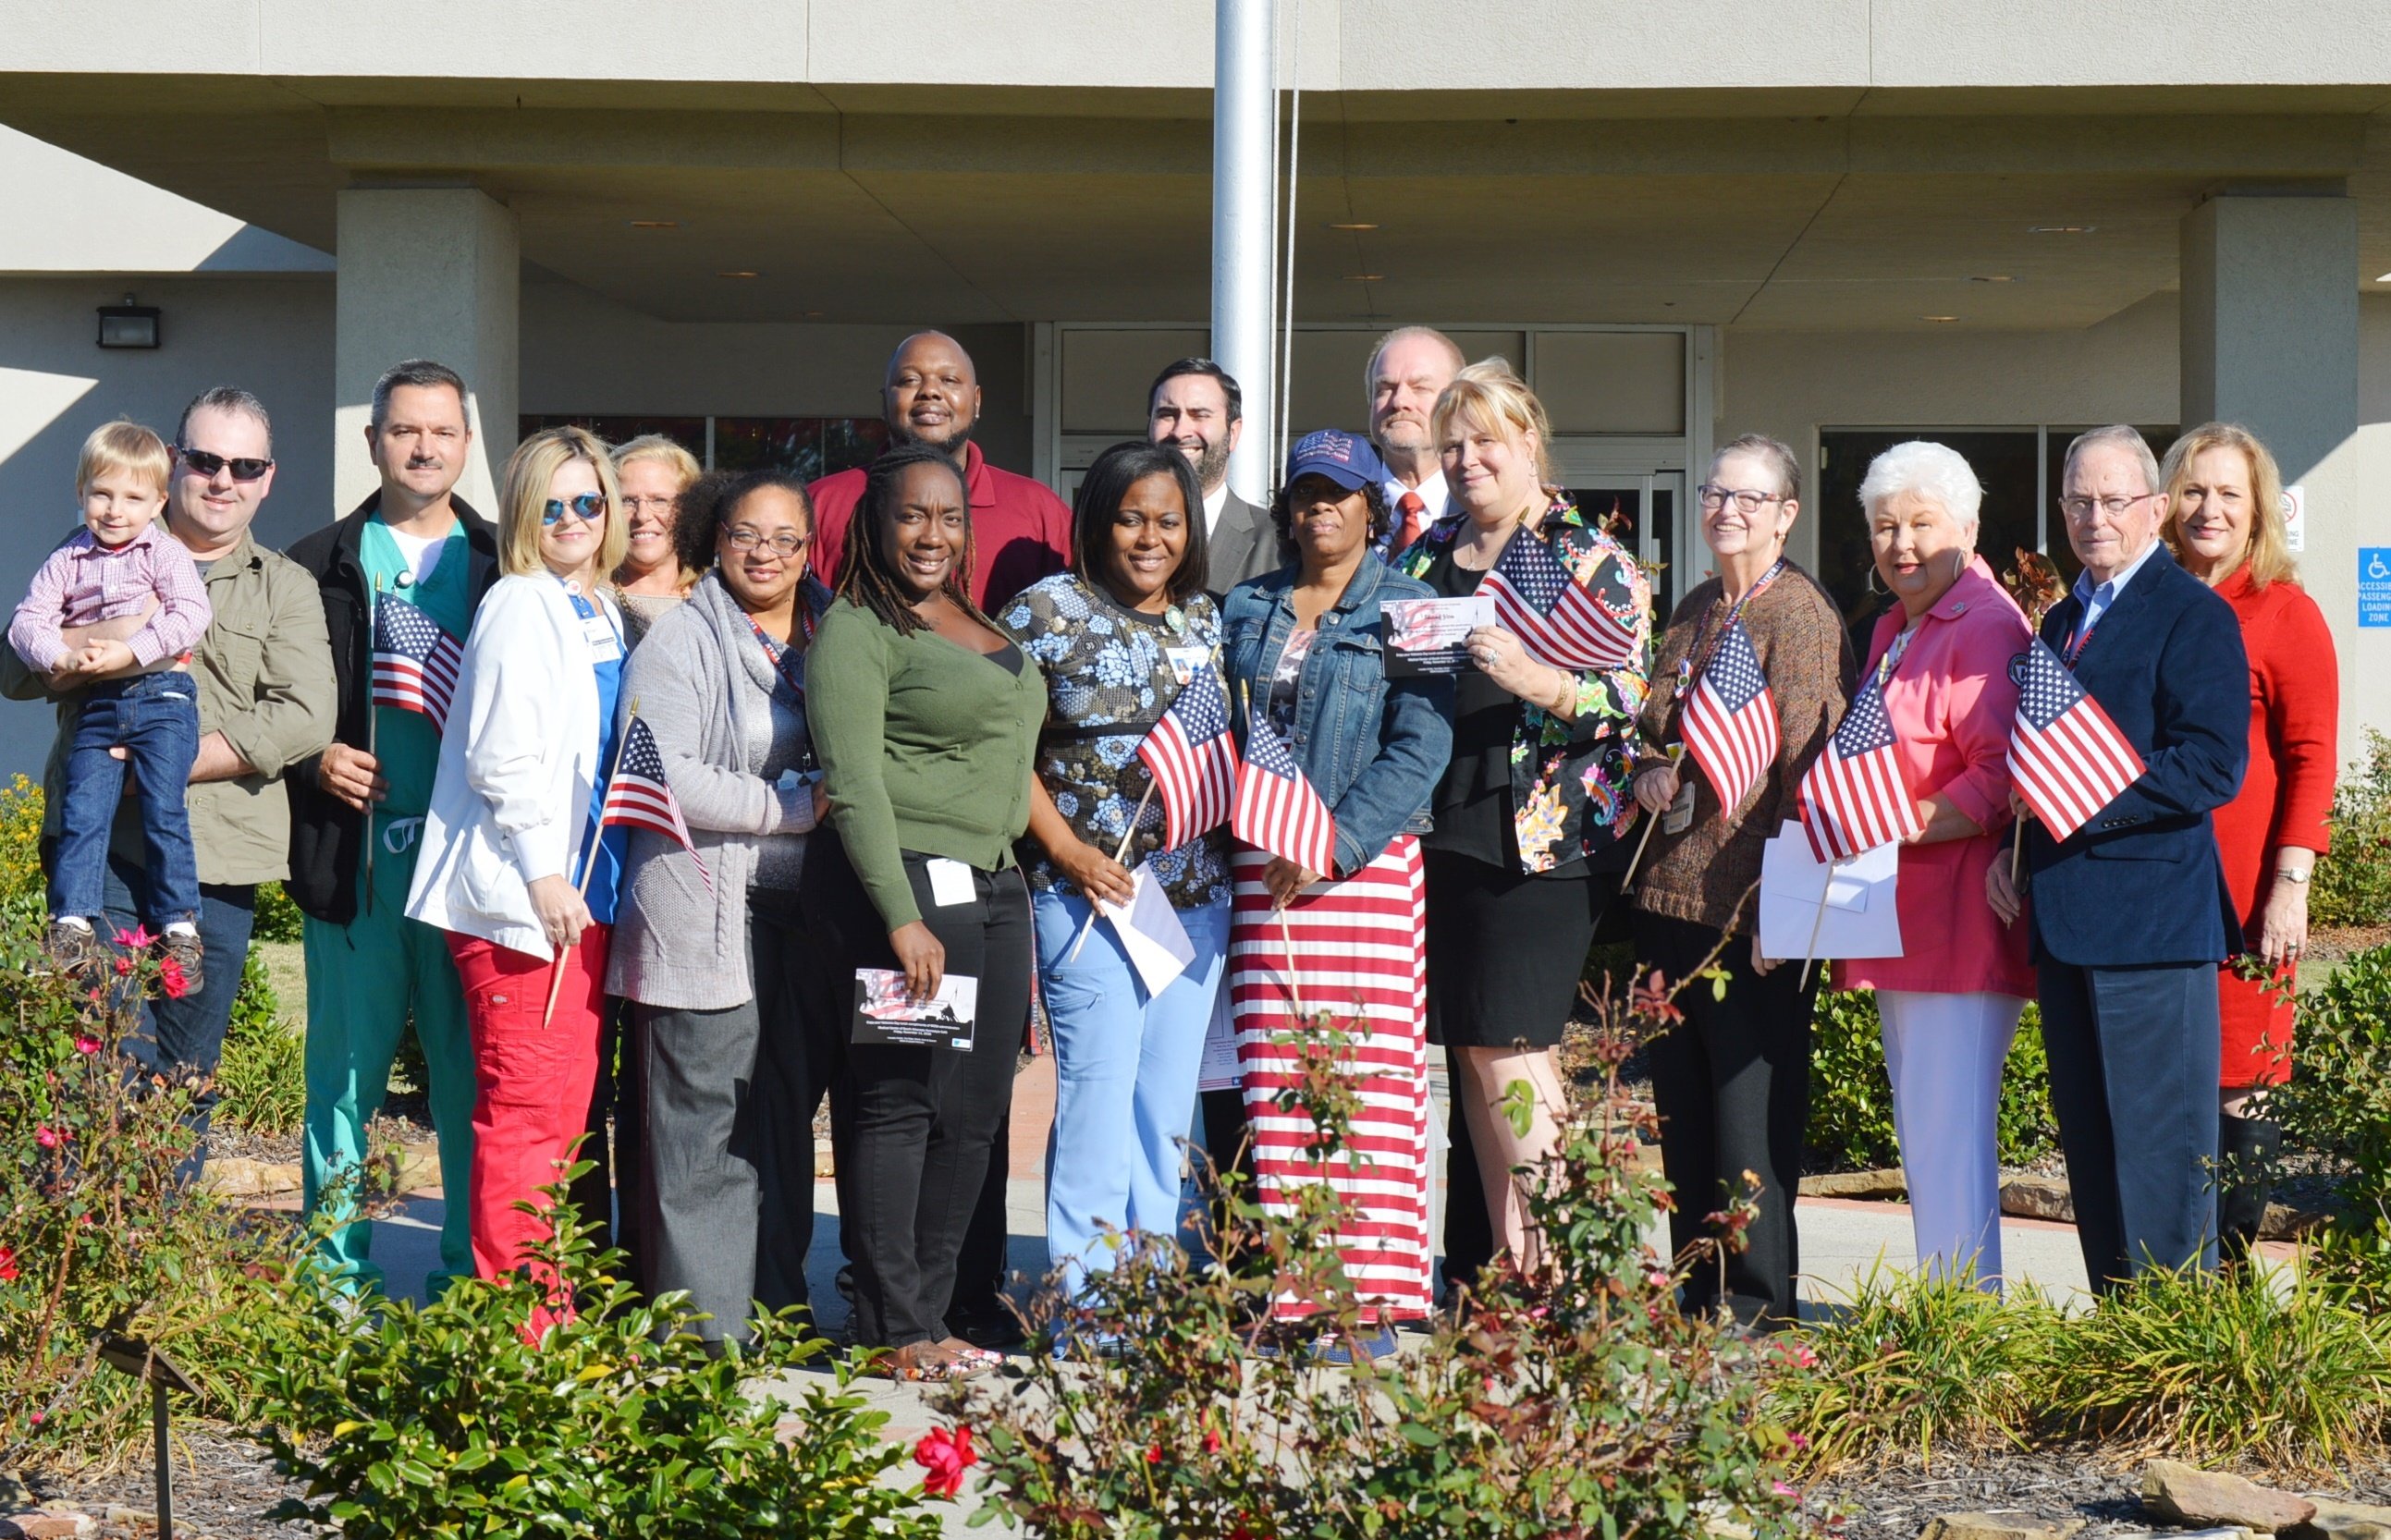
point(411, 554)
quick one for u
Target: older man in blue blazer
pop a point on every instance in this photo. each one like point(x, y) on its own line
point(2130, 914)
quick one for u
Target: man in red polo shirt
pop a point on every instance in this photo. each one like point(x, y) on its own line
point(1020, 531)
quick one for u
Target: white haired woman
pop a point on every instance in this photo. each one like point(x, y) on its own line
point(1951, 1005)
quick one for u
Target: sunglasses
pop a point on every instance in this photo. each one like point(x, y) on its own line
point(208, 465)
point(589, 507)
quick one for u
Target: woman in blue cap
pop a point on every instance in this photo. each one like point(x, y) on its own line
point(1327, 920)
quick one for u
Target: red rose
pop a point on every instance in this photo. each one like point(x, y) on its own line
point(86, 1045)
point(124, 965)
point(1212, 1441)
point(946, 1455)
point(7, 1265)
point(171, 979)
point(1154, 1453)
point(138, 938)
point(46, 1137)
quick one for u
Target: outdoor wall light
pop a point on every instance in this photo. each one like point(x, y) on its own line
point(128, 325)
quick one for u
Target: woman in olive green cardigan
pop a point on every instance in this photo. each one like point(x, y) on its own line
point(925, 718)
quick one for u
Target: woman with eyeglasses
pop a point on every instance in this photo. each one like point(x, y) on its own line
point(1732, 1080)
point(728, 1053)
point(657, 573)
point(513, 865)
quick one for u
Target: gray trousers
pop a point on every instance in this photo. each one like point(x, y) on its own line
point(727, 1209)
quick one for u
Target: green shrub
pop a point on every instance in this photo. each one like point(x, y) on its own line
point(2353, 880)
point(276, 918)
point(2336, 1110)
point(261, 1081)
point(440, 1421)
point(1851, 1095)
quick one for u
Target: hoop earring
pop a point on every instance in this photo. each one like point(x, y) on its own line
point(1875, 591)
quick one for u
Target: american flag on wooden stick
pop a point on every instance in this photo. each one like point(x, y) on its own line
point(414, 663)
point(1276, 808)
point(1730, 720)
point(1557, 618)
point(1193, 758)
point(2067, 759)
point(1854, 797)
point(639, 796)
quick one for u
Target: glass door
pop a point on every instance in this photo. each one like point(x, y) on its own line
point(1641, 511)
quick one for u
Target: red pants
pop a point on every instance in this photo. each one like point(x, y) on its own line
point(532, 1082)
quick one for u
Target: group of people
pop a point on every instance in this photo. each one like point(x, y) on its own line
point(609, 801)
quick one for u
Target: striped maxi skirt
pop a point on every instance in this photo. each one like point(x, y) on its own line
point(1359, 956)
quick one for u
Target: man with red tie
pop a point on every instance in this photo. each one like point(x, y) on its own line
point(1409, 369)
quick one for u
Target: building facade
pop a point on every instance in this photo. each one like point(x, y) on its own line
point(1840, 222)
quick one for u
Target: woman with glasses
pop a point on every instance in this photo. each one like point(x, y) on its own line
point(1732, 1080)
point(1118, 638)
point(731, 1056)
point(655, 472)
point(513, 865)
point(1948, 1005)
point(2224, 523)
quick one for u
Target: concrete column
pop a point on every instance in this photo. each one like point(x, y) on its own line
point(425, 272)
point(1245, 203)
point(2270, 323)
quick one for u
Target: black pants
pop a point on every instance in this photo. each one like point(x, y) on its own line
point(1731, 1082)
point(2133, 1081)
point(610, 1144)
point(921, 1121)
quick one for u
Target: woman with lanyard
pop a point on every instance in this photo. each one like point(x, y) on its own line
point(514, 866)
point(1949, 1007)
point(731, 1053)
point(1117, 637)
point(1306, 661)
point(1731, 1080)
point(1524, 856)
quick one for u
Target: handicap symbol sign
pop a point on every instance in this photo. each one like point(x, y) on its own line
point(2374, 585)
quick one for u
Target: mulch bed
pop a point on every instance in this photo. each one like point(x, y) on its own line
point(1895, 1504)
point(218, 1495)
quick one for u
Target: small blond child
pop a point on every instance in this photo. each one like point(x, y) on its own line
point(115, 612)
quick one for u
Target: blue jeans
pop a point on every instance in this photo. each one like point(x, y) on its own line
point(189, 1031)
point(1125, 1065)
point(155, 718)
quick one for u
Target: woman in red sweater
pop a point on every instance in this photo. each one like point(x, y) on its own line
point(2225, 523)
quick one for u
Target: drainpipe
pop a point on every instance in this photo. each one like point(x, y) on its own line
point(1245, 114)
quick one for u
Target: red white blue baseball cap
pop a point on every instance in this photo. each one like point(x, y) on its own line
point(1345, 459)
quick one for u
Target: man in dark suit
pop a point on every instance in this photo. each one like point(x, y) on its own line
point(1198, 408)
point(2131, 913)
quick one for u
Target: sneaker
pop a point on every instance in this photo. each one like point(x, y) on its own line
point(183, 949)
point(74, 951)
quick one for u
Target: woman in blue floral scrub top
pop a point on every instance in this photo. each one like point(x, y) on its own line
point(1117, 637)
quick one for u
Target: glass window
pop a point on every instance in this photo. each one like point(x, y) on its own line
point(805, 447)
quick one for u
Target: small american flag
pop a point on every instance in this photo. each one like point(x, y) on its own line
point(1193, 759)
point(1730, 721)
point(1277, 810)
point(1555, 617)
point(1854, 797)
point(2066, 757)
point(639, 796)
point(414, 663)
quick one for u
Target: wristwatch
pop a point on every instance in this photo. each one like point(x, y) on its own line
point(2284, 875)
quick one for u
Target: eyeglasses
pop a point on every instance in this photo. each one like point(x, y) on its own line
point(244, 469)
point(589, 507)
point(1747, 499)
point(634, 506)
point(2079, 510)
point(783, 545)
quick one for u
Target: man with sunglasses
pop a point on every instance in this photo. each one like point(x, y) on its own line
point(265, 686)
point(402, 573)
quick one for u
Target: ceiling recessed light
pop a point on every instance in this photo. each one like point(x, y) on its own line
point(740, 272)
point(813, 315)
point(1992, 277)
point(656, 225)
point(2062, 229)
point(1363, 277)
point(1353, 226)
point(1939, 319)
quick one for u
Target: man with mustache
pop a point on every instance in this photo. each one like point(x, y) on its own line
point(1195, 406)
point(1408, 370)
point(1020, 531)
point(370, 970)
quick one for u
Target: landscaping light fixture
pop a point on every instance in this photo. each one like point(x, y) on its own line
point(138, 1358)
point(128, 325)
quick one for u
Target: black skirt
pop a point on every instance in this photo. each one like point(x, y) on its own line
point(1506, 949)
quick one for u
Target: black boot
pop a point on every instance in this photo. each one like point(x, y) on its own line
point(2242, 1204)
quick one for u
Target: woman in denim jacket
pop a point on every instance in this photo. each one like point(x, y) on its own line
point(1303, 648)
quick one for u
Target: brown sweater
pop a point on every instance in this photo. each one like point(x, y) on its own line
point(1703, 872)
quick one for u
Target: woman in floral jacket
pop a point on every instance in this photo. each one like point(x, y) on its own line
point(1531, 807)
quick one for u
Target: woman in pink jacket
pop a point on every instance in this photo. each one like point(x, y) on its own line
point(1950, 1003)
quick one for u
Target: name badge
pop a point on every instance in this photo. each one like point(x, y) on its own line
point(603, 647)
point(950, 882)
point(1681, 812)
point(1185, 661)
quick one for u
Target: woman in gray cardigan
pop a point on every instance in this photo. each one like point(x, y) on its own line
point(716, 963)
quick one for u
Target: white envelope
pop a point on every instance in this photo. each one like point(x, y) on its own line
point(1150, 932)
point(1859, 918)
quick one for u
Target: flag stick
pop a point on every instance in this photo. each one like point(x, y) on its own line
point(1676, 752)
point(1119, 852)
point(2017, 848)
point(1818, 922)
point(555, 978)
point(373, 713)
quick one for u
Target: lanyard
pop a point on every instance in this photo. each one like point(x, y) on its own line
point(2076, 644)
point(776, 654)
point(587, 608)
point(1704, 643)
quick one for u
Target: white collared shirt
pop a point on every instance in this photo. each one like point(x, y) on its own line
point(1430, 490)
point(1214, 501)
point(2096, 599)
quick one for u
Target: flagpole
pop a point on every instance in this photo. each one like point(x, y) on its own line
point(2017, 848)
point(581, 890)
point(1118, 853)
point(1818, 922)
point(373, 713)
point(1676, 752)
